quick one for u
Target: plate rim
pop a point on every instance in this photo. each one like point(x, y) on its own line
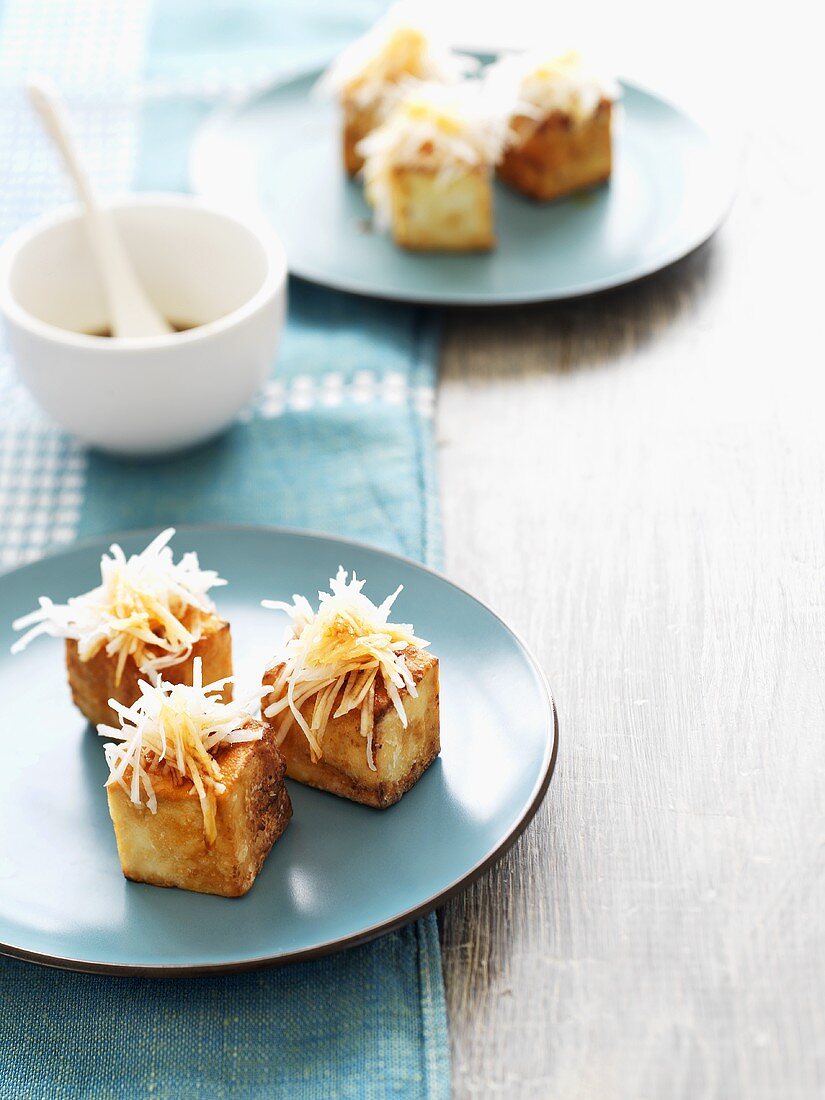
point(728, 158)
point(369, 932)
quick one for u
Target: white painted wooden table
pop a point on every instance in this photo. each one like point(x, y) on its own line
point(637, 483)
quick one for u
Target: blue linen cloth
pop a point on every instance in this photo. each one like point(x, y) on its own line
point(340, 441)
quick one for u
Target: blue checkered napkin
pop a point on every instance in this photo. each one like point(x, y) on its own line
point(340, 440)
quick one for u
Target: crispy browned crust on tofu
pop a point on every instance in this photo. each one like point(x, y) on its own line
point(92, 682)
point(401, 755)
point(169, 848)
point(433, 212)
point(358, 122)
point(559, 156)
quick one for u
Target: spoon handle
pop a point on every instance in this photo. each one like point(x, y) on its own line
point(130, 311)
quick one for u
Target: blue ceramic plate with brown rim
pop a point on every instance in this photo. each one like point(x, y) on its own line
point(673, 183)
point(341, 873)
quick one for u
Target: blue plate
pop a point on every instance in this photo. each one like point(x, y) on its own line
point(672, 185)
point(341, 873)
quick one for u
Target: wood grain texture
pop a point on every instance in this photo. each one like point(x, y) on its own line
point(637, 483)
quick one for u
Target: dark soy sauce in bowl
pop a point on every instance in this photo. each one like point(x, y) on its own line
point(177, 326)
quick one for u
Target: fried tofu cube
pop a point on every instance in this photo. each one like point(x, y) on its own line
point(560, 155)
point(359, 122)
point(169, 848)
point(398, 54)
point(401, 756)
point(93, 684)
point(442, 211)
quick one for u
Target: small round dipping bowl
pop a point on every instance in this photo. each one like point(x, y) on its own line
point(219, 278)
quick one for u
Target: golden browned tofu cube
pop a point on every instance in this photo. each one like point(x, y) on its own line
point(442, 211)
point(93, 682)
point(559, 156)
point(359, 122)
point(400, 53)
point(169, 848)
point(401, 756)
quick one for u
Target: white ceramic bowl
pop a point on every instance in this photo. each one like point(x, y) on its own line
point(200, 266)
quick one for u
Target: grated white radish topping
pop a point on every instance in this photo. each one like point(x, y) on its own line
point(537, 85)
point(174, 729)
point(445, 128)
point(147, 606)
point(334, 655)
point(400, 45)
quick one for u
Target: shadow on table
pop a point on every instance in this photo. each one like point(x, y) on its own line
point(581, 333)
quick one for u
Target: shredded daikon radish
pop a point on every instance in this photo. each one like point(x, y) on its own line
point(175, 729)
point(334, 655)
point(537, 85)
point(147, 606)
point(400, 45)
point(435, 127)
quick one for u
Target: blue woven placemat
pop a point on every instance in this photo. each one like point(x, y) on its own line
point(339, 441)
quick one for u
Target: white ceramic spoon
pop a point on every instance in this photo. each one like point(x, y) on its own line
point(130, 311)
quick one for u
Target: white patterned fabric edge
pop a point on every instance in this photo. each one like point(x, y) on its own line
point(305, 392)
point(42, 472)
